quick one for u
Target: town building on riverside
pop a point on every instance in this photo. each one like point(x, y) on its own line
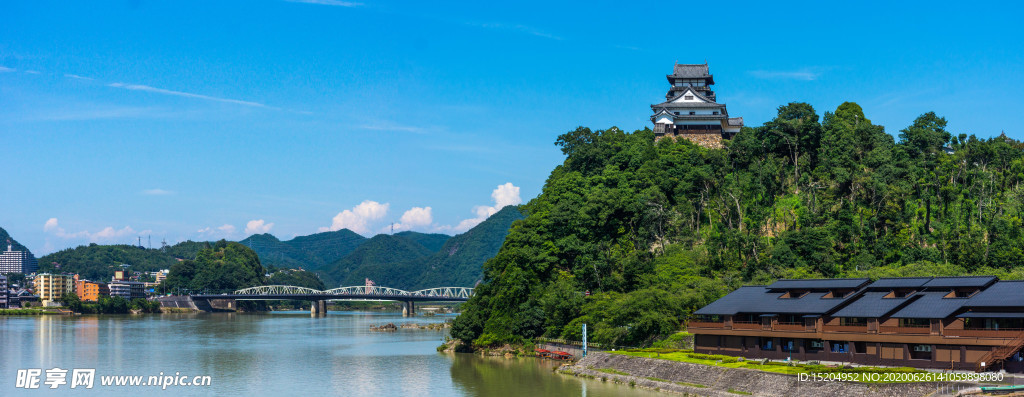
point(12, 261)
point(691, 109)
point(960, 323)
point(51, 287)
point(91, 291)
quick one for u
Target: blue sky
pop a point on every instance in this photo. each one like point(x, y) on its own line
point(202, 120)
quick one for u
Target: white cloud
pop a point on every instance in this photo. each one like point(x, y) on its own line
point(7, 70)
point(503, 196)
point(804, 75)
point(146, 88)
point(223, 231)
point(336, 3)
point(75, 76)
point(358, 218)
point(227, 229)
point(390, 126)
point(51, 224)
point(415, 218)
point(258, 226)
point(32, 71)
point(157, 192)
point(106, 234)
point(517, 28)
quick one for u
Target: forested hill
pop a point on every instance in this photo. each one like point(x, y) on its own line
point(98, 262)
point(412, 261)
point(14, 243)
point(310, 252)
point(657, 229)
point(459, 261)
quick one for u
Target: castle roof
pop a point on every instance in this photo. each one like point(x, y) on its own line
point(708, 103)
point(690, 71)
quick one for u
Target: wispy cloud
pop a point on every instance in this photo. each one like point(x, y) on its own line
point(156, 192)
point(390, 126)
point(155, 90)
point(335, 3)
point(804, 75)
point(32, 71)
point(75, 76)
point(103, 113)
point(4, 69)
point(628, 47)
point(106, 234)
point(516, 27)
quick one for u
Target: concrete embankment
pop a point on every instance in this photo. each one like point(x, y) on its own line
point(687, 378)
point(177, 302)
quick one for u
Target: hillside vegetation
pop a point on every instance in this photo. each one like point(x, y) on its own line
point(655, 230)
point(311, 252)
point(460, 261)
point(98, 262)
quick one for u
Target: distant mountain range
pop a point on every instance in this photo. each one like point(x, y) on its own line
point(406, 260)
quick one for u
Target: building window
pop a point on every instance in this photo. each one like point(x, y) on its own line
point(813, 344)
point(715, 112)
point(840, 347)
point(787, 345)
point(766, 344)
point(677, 113)
point(920, 352)
point(693, 113)
point(688, 97)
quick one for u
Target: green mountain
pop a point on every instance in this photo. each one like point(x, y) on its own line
point(433, 241)
point(187, 249)
point(389, 260)
point(98, 262)
point(311, 252)
point(15, 245)
point(459, 263)
point(656, 229)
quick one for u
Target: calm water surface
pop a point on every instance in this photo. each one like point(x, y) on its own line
point(280, 353)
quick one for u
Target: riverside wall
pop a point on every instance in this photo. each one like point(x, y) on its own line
point(681, 377)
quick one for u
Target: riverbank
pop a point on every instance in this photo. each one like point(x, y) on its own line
point(706, 380)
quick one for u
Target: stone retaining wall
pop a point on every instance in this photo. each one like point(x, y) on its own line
point(719, 380)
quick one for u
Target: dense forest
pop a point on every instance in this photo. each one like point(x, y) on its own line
point(654, 230)
point(459, 261)
point(311, 252)
point(224, 267)
point(98, 262)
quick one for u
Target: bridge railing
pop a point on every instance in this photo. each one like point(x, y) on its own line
point(440, 292)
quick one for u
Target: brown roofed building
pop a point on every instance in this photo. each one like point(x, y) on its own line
point(963, 323)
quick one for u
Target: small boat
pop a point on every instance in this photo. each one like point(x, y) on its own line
point(560, 355)
point(543, 352)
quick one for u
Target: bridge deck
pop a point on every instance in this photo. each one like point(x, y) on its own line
point(317, 297)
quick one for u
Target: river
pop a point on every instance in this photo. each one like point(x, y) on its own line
point(271, 354)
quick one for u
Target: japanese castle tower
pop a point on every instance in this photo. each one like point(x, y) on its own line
point(691, 109)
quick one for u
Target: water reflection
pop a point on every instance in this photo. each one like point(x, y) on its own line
point(274, 354)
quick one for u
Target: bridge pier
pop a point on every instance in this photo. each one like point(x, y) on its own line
point(318, 308)
point(408, 309)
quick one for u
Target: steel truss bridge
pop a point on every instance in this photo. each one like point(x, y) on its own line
point(354, 293)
